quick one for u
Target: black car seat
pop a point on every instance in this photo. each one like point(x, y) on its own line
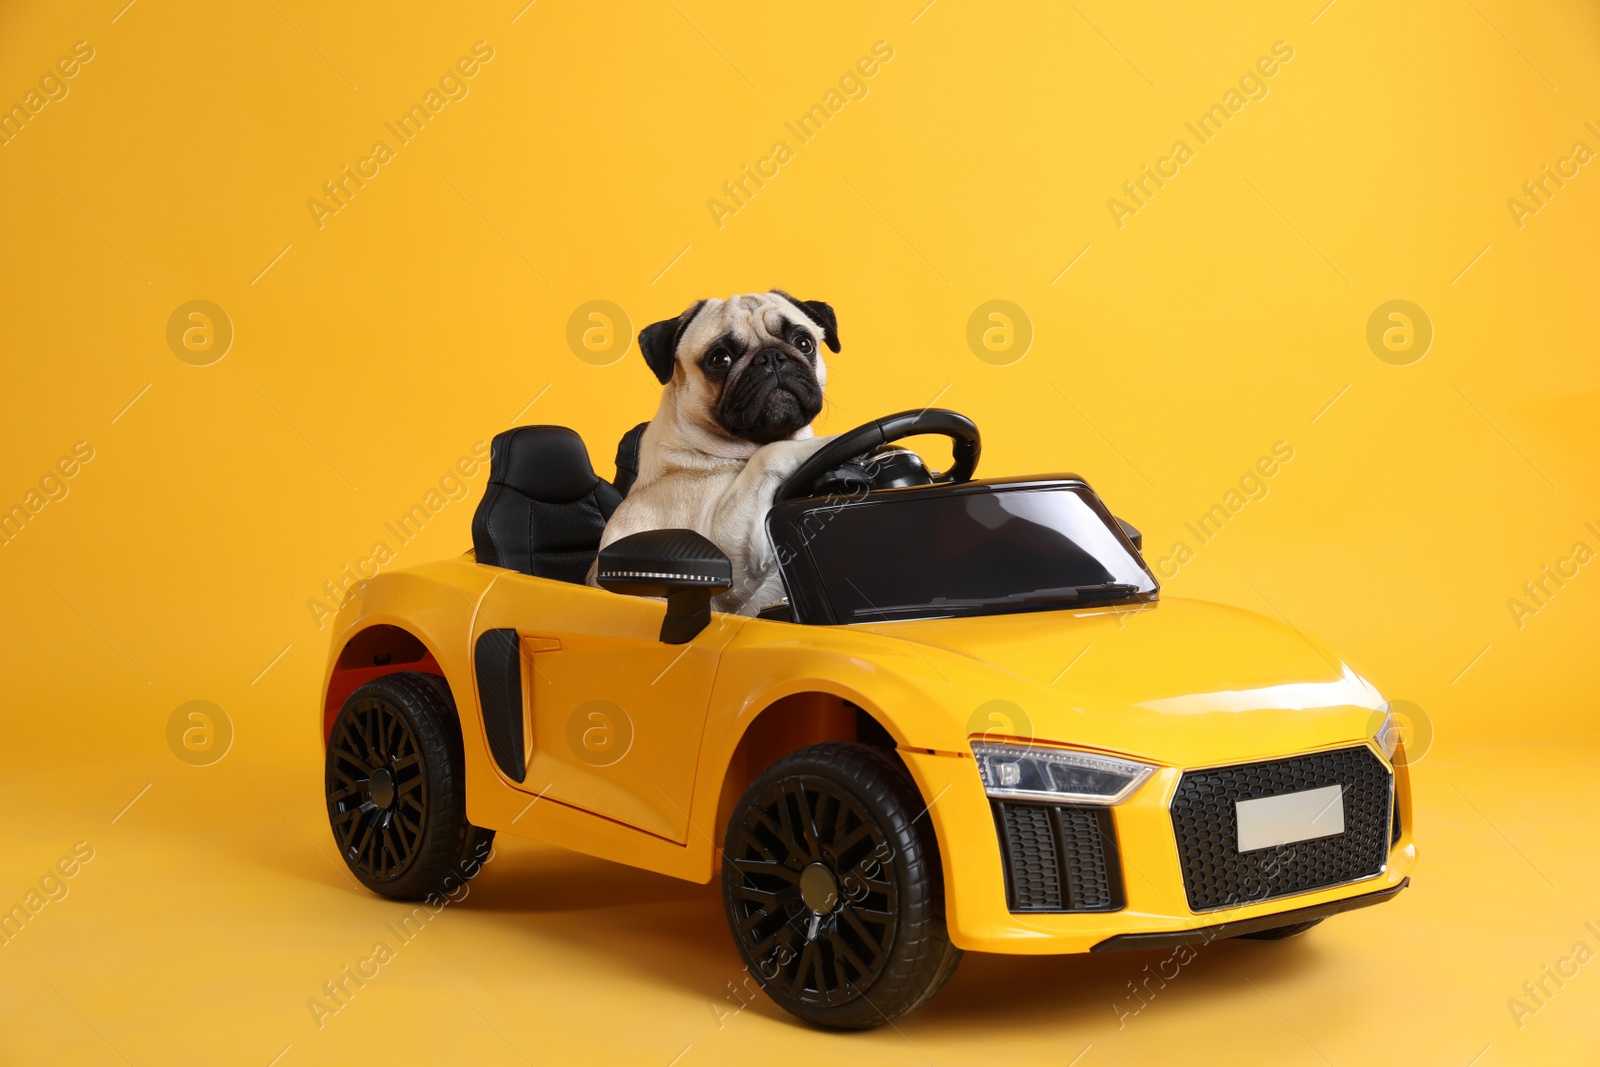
point(545, 508)
point(628, 458)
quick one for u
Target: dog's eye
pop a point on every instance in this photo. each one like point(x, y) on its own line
point(804, 343)
point(719, 360)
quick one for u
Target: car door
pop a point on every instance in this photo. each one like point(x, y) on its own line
point(604, 716)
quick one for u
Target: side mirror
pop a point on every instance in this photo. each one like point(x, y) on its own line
point(1132, 534)
point(680, 565)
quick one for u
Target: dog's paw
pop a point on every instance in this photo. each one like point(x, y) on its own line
point(782, 458)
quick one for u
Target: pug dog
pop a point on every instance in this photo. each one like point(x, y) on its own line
point(742, 378)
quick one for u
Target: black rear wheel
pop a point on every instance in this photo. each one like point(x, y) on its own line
point(396, 789)
point(833, 889)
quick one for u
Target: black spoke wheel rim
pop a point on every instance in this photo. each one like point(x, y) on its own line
point(377, 791)
point(827, 957)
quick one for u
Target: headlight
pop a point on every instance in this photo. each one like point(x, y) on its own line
point(1388, 735)
point(1056, 774)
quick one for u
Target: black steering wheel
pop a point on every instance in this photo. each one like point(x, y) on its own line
point(863, 441)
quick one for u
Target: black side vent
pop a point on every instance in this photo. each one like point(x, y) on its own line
point(498, 659)
point(1394, 820)
point(1059, 857)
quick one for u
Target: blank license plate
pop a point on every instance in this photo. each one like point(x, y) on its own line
point(1283, 820)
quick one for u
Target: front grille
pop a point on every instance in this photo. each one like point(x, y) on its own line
point(1059, 857)
point(1217, 875)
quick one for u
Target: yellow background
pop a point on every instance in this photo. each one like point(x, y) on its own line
point(1228, 314)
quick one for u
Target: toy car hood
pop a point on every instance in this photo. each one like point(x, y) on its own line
point(1193, 682)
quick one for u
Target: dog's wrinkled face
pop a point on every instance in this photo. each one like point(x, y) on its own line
point(749, 367)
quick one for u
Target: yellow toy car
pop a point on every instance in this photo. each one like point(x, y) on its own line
point(973, 724)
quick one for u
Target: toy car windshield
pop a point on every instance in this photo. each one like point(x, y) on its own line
point(981, 548)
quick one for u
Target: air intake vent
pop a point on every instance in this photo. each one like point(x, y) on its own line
point(1059, 857)
point(498, 660)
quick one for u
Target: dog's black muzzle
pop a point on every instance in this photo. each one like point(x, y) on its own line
point(776, 395)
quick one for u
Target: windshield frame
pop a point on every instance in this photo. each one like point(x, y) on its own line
point(795, 525)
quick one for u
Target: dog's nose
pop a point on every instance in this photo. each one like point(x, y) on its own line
point(771, 359)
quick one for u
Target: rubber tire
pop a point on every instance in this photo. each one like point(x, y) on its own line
point(452, 850)
point(922, 957)
point(1278, 933)
point(478, 847)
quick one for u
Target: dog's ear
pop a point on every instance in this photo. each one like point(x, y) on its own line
point(819, 313)
point(659, 342)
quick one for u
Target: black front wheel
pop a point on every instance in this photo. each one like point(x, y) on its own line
point(833, 889)
point(395, 782)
